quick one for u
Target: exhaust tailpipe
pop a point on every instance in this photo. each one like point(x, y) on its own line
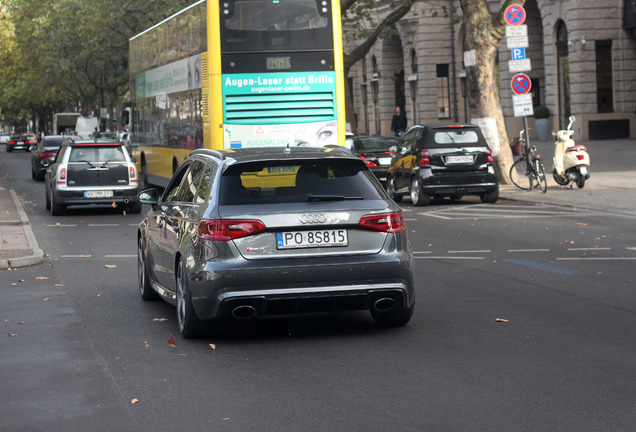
point(461, 191)
point(126, 201)
point(244, 312)
point(384, 304)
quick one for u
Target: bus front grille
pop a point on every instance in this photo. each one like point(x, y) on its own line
point(280, 108)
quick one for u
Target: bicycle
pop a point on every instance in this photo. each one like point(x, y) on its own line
point(529, 165)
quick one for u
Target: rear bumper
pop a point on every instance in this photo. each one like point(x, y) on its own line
point(76, 197)
point(458, 182)
point(298, 286)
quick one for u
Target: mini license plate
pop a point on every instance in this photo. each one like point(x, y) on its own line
point(98, 194)
point(459, 159)
point(311, 239)
point(583, 170)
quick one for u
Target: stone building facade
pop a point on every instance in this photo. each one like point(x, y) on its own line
point(582, 53)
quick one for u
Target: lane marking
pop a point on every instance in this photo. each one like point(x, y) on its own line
point(598, 259)
point(120, 256)
point(469, 251)
point(76, 256)
point(541, 266)
point(449, 257)
point(103, 225)
point(60, 225)
point(422, 252)
point(528, 250)
point(588, 249)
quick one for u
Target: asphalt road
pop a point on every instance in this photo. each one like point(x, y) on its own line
point(524, 322)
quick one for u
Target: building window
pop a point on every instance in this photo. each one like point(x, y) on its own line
point(604, 88)
point(443, 92)
point(535, 91)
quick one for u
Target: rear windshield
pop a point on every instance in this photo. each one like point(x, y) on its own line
point(456, 137)
point(374, 143)
point(276, 182)
point(53, 142)
point(97, 154)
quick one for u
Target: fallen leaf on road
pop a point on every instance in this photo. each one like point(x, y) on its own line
point(59, 285)
point(580, 223)
point(160, 319)
point(501, 320)
point(212, 346)
point(47, 299)
point(114, 205)
point(42, 278)
point(146, 345)
point(14, 284)
point(172, 342)
point(13, 334)
point(134, 401)
point(110, 266)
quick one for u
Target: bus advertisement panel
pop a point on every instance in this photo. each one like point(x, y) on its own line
point(237, 73)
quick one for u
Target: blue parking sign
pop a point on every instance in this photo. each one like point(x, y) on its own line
point(518, 53)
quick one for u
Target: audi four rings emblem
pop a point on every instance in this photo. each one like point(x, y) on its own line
point(313, 218)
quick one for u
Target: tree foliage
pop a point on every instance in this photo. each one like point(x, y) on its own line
point(68, 54)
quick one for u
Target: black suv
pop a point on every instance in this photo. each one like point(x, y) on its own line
point(443, 161)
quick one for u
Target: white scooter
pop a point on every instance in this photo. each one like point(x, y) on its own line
point(571, 161)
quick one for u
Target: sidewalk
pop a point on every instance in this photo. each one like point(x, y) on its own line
point(611, 187)
point(18, 246)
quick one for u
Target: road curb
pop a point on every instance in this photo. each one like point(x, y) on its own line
point(37, 255)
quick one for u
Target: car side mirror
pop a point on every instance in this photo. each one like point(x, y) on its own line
point(33, 148)
point(150, 197)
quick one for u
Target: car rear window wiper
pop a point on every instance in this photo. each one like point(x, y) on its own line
point(310, 197)
point(92, 164)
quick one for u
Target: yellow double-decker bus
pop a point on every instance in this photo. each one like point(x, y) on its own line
point(236, 73)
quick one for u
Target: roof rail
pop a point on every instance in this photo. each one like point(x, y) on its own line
point(209, 152)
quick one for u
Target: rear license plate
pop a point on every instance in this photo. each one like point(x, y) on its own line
point(98, 194)
point(583, 170)
point(459, 159)
point(384, 161)
point(311, 239)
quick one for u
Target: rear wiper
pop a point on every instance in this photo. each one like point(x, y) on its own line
point(92, 164)
point(318, 197)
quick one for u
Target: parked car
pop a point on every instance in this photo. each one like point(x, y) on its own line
point(443, 161)
point(376, 152)
point(272, 231)
point(43, 154)
point(21, 142)
point(92, 172)
point(4, 137)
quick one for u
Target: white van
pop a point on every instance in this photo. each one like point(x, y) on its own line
point(86, 126)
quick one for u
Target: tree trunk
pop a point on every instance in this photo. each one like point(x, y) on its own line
point(483, 33)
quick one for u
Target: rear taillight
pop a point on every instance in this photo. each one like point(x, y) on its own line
point(366, 161)
point(229, 229)
point(132, 174)
point(425, 154)
point(61, 179)
point(392, 223)
point(46, 155)
point(13, 142)
point(580, 156)
point(489, 158)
